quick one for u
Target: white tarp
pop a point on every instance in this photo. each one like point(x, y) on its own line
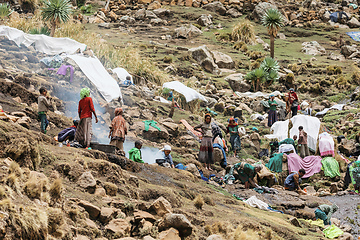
point(258, 94)
point(97, 74)
point(335, 107)
point(122, 74)
point(189, 93)
point(255, 202)
point(42, 43)
point(311, 126)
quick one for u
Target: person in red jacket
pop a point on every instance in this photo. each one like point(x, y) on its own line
point(85, 110)
point(294, 101)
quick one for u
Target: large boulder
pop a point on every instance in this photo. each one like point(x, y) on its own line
point(347, 147)
point(217, 7)
point(205, 20)
point(186, 32)
point(261, 8)
point(233, 12)
point(152, 133)
point(218, 155)
point(353, 23)
point(237, 82)
point(87, 181)
point(347, 50)
point(93, 210)
point(257, 106)
point(223, 60)
point(177, 221)
point(205, 58)
point(161, 206)
point(117, 228)
point(313, 48)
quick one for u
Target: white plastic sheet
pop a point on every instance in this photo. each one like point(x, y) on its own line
point(189, 93)
point(311, 126)
point(255, 202)
point(335, 107)
point(42, 43)
point(285, 148)
point(258, 94)
point(122, 74)
point(97, 74)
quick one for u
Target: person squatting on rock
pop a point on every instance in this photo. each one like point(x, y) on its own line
point(44, 102)
point(68, 133)
point(118, 130)
point(233, 129)
point(85, 110)
point(294, 101)
point(245, 173)
point(272, 118)
point(324, 212)
point(166, 160)
point(302, 142)
point(293, 181)
point(135, 152)
point(206, 155)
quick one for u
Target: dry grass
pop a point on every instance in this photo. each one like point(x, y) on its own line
point(110, 188)
point(240, 234)
point(15, 168)
point(56, 189)
point(26, 24)
point(55, 219)
point(199, 202)
point(2, 193)
point(34, 187)
point(244, 31)
point(13, 182)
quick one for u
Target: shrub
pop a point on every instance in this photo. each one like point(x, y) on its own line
point(43, 30)
point(223, 37)
point(15, 168)
point(34, 187)
point(56, 189)
point(333, 70)
point(294, 67)
point(13, 182)
point(256, 55)
point(5, 10)
point(244, 31)
point(55, 219)
point(199, 202)
point(86, 9)
point(110, 188)
point(167, 59)
point(197, 25)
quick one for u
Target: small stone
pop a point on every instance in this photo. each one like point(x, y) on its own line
point(87, 181)
point(161, 206)
point(178, 221)
point(118, 227)
point(107, 214)
point(171, 234)
point(294, 221)
point(93, 210)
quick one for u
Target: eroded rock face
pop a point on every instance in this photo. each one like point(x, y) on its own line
point(177, 221)
point(217, 7)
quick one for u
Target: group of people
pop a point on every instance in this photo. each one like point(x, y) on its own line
point(292, 105)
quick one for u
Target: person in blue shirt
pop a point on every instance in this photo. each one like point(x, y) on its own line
point(166, 160)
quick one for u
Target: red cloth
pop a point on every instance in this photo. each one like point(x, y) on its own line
point(86, 107)
point(292, 96)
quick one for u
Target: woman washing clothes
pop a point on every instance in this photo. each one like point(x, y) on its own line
point(206, 149)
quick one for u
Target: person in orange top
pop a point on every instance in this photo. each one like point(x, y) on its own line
point(118, 130)
point(294, 101)
point(85, 110)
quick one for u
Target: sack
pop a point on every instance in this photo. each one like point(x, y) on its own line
point(160, 161)
point(295, 103)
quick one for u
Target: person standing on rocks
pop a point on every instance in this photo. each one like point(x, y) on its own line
point(293, 181)
point(324, 212)
point(302, 142)
point(43, 106)
point(293, 101)
point(85, 110)
point(255, 138)
point(118, 130)
point(233, 129)
point(272, 118)
point(206, 155)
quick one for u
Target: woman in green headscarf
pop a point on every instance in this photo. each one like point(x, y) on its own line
point(85, 110)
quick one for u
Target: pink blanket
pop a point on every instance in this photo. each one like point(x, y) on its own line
point(311, 164)
point(326, 145)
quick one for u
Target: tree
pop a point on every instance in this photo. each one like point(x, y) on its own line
point(256, 77)
point(56, 11)
point(273, 21)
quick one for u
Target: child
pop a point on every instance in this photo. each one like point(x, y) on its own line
point(135, 153)
point(43, 106)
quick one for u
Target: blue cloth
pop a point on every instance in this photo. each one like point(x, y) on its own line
point(68, 132)
point(321, 215)
point(224, 163)
point(274, 210)
point(354, 35)
point(180, 166)
point(168, 158)
point(290, 182)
